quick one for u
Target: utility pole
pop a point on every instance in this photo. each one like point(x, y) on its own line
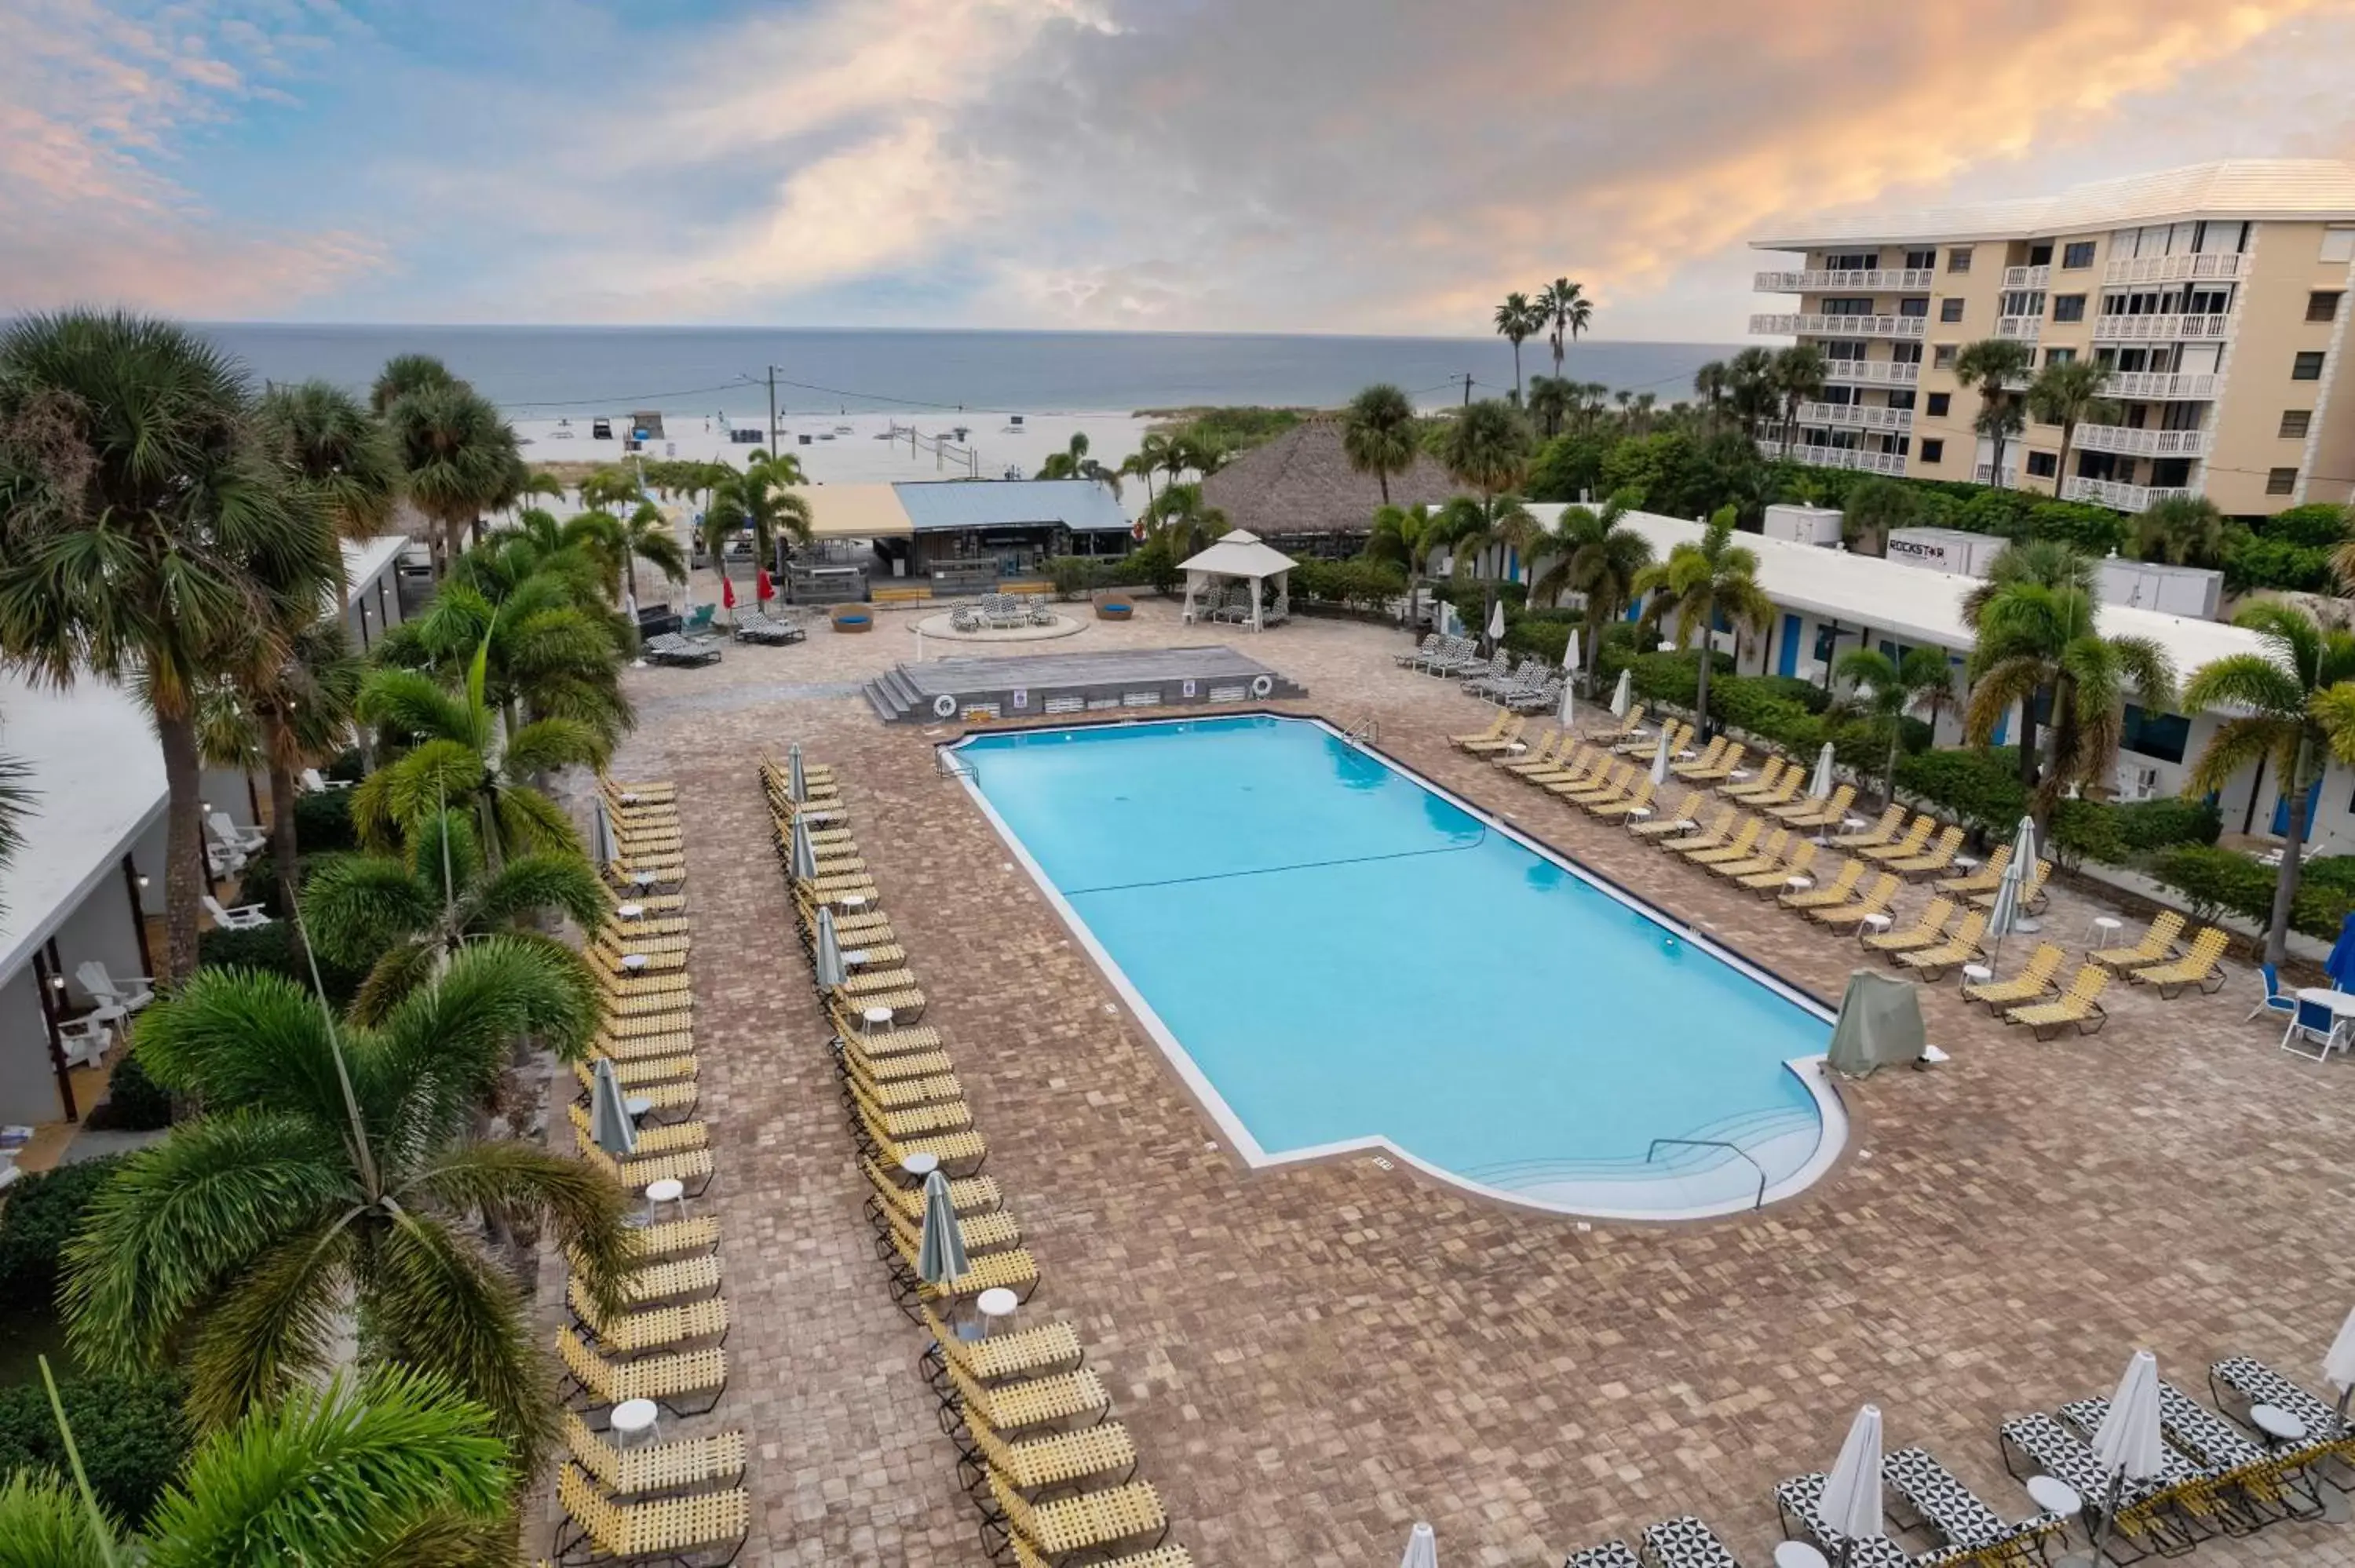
point(1467, 389)
point(772, 410)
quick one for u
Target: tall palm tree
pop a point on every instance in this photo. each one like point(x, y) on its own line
point(1502, 523)
point(1379, 434)
point(405, 915)
point(2183, 530)
point(334, 1170)
point(404, 374)
point(1750, 386)
point(144, 533)
point(296, 692)
point(1142, 464)
point(1701, 585)
point(609, 489)
point(339, 452)
point(617, 544)
point(2291, 705)
point(1549, 402)
point(761, 500)
point(1487, 446)
point(459, 458)
point(1599, 557)
point(2069, 393)
point(1065, 464)
point(1876, 507)
point(2038, 639)
point(1568, 312)
point(1798, 377)
point(392, 1466)
point(1184, 520)
point(1406, 537)
point(1886, 690)
point(1988, 367)
point(2047, 563)
point(543, 655)
point(1517, 321)
point(1711, 384)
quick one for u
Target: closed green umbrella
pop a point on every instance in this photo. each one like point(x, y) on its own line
point(796, 778)
point(609, 1119)
point(831, 970)
point(940, 1256)
point(804, 854)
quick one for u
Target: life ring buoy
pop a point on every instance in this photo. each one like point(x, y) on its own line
point(1261, 685)
point(945, 706)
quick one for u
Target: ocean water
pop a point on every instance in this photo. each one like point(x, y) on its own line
point(549, 371)
point(1345, 955)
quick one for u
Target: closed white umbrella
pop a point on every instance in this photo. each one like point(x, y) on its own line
point(796, 778)
point(2339, 1366)
point(609, 1119)
point(600, 835)
point(1569, 715)
point(1421, 1549)
point(831, 970)
point(2010, 889)
point(1570, 662)
point(1660, 758)
point(940, 1256)
point(805, 854)
point(1820, 783)
point(1852, 1491)
point(1497, 623)
point(2128, 1445)
point(1623, 696)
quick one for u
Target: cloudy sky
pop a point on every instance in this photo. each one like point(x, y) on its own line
point(1330, 165)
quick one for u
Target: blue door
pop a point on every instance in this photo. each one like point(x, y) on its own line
point(2281, 810)
point(1787, 664)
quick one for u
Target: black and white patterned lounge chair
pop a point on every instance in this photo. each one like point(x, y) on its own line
point(670, 647)
point(1800, 1501)
point(2249, 1382)
point(2268, 1480)
point(759, 626)
point(1964, 1522)
point(1685, 1542)
point(1610, 1555)
point(2144, 1523)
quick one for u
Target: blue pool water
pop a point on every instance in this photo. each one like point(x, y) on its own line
point(1342, 954)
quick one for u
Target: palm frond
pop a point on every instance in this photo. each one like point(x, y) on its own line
point(547, 745)
point(355, 906)
point(276, 1325)
point(44, 1525)
point(533, 883)
point(530, 822)
point(241, 1039)
point(438, 1306)
point(586, 1209)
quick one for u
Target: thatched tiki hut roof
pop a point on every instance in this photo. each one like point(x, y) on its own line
point(1298, 491)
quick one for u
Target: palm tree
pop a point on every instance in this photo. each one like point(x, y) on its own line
point(288, 708)
point(1711, 384)
point(1065, 464)
point(1876, 507)
point(646, 535)
point(761, 500)
point(1502, 523)
point(332, 1172)
point(1701, 585)
point(1597, 556)
point(1487, 446)
point(1885, 690)
point(1406, 536)
point(16, 809)
point(2048, 563)
point(1750, 377)
point(1797, 375)
point(544, 656)
point(1517, 321)
point(609, 489)
point(2069, 393)
point(404, 374)
point(336, 451)
point(1142, 464)
point(1183, 520)
point(1550, 401)
point(407, 915)
point(1567, 311)
point(144, 533)
point(1988, 367)
point(2034, 639)
point(617, 543)
point(2183, 530)
point(1379, 434)
point(2290, 705)
point(459, 458)
point(392, 1466)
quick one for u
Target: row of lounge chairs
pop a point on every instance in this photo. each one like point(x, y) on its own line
point(1053, 1475)
point(758, 625)
point(2222, 1475)
point(1534, 687)
point(679, 1498)
point(999, 611)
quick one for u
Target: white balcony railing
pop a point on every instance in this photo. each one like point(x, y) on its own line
point(2144, 443)
point(2173, 269)
point(1855, 417)
point(1984, 473)
point(2024, 328)
point(2152, 329)
point(1874, 372)
point(1810, 325)
point(2160, 387)
point(2123, 497)
point(1863, 461)
point(2027, 277)
point(1821, 281)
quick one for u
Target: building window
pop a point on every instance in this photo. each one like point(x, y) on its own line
point(1942, 358)
point(1939, 402)
point(1958, 260)
point(2075, 254)
point(1950, 310)
point(1905, 353)
point(1852, 261)
point(1914, 305)
point(2339, 242)
point(2059, 355)
point(2068, 307)
point(2281, 481)
point(1849, 305)
point(1921, 260)
point(1902, 399)
point(2294, 423)
point(2162, 736)
point(2308, 365)
point(2043, 465)
point(1933, 450)
point(2322, 306)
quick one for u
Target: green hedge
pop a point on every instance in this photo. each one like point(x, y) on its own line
point(134, 1102)
point(2216, 881)
point(271, 948)
point(1355, 583)
point(43, 1210)
point(132, 1432)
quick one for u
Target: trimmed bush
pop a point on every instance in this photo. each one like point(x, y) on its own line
point(2148, 825)
point(134, 1102)
point(44, 1210)
point(1979, 788)
point(133, 1434)
point(271, 947)
point(2217, 881)
point(323, 822)
point(1355, 584)
point(1072, 575)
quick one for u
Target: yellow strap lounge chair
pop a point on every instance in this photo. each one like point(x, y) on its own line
point(2157, 945)
point(1741, 847)
point(691, 1168)
point(1639, 799)
point(1036, 1351)
point(2202, 967)
point(1829, 812)
point(646, 792)
point(2080, 1004)
point(1799, 862)
point(960, 1153)
point(1938, 857)
point(1964, 947)
point(665, 1529)
point(1584, 771)
point(2033, 983)
point(967, 1196)
point(676, 1097)
point(654, 903)
point(1621, 731)
point(663, 1378)
point(1766, 856)
point(1538, 757)
point(896, 1039)
point(1085, 1522)
point(1496, 731)
point(668, 1238)
point(1715, 772)
point(673, 1022)
point(654, 1329)
point(1050, 1400)
point(1750, 791)
point(1767, 800)
point(671, 1138)
point(989, 1230)
point(641, 1072)
point(1679, 736)
point(1926, 932)
point(659, 955)
point(1984, 879)
point(1721, 828)
point(1510, 738)
point(2032, 898)
point(1692, 771)
point(652, 1467)
point(1617, 785)
point(1051, 1460)
point(1880, 832)
point(1684, 817)
point(1906, 846)
point(1828, 896)
point(1873, 900)
point(1160, 1557)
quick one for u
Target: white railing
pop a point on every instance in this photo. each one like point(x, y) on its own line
point(2143, 443)
point(1874, 372)
point(1809, 323)
point(2027, 277)
point(2162, 385)
point(1890, 464)
point(2024, 328)
point(1819, 281)
point(1984, 473)
point(2147, 329)
point(1855, 417)
point(2123, 497)
point(2173, 269)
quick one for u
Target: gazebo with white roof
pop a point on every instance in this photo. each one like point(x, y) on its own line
point(1238, 555)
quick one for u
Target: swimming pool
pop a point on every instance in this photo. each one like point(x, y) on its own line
point(1335, 954)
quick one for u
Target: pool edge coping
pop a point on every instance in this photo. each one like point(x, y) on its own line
point(1812, 1071)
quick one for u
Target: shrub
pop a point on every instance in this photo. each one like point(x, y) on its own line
point(1547, 640)
point(132, 1432)
point(2094, 530)
point(2088, 830)
point(44, 1210)
point(2146, 825)
point(1072, 575)
point(323, 822)
point(1356, 584)
point(1792, 689)
point(1977, 787)
point(271, 948)
point(2217, 881)
point(134, 1102)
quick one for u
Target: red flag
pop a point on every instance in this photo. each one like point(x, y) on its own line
point(726, 594)
point(762, 586)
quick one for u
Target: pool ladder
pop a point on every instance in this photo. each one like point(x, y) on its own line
point(1366, 731)
point(1653, 1153)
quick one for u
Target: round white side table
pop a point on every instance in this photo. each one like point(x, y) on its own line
point(634, 962)
point(920, 1166)
point(636, 1421)
point(669, 1190)
point(997, 1306)
point(1976, 974)
point(2055, 1496)
point(2278, 1425)
point(1797, 1554)
point(630, 911)
point(2101, 929)
point(876, 1018)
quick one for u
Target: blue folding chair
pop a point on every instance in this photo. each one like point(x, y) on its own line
point(2276, 1000)
point(2314, 1024)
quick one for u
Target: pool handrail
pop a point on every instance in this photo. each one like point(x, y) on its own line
point(1716, 1143)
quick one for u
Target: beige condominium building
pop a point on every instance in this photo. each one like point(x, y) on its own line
point(2216, 293)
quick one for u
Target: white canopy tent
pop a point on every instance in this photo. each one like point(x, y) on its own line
point(1240, 556)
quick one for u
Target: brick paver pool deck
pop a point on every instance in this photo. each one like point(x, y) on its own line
point(1313, 1357)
